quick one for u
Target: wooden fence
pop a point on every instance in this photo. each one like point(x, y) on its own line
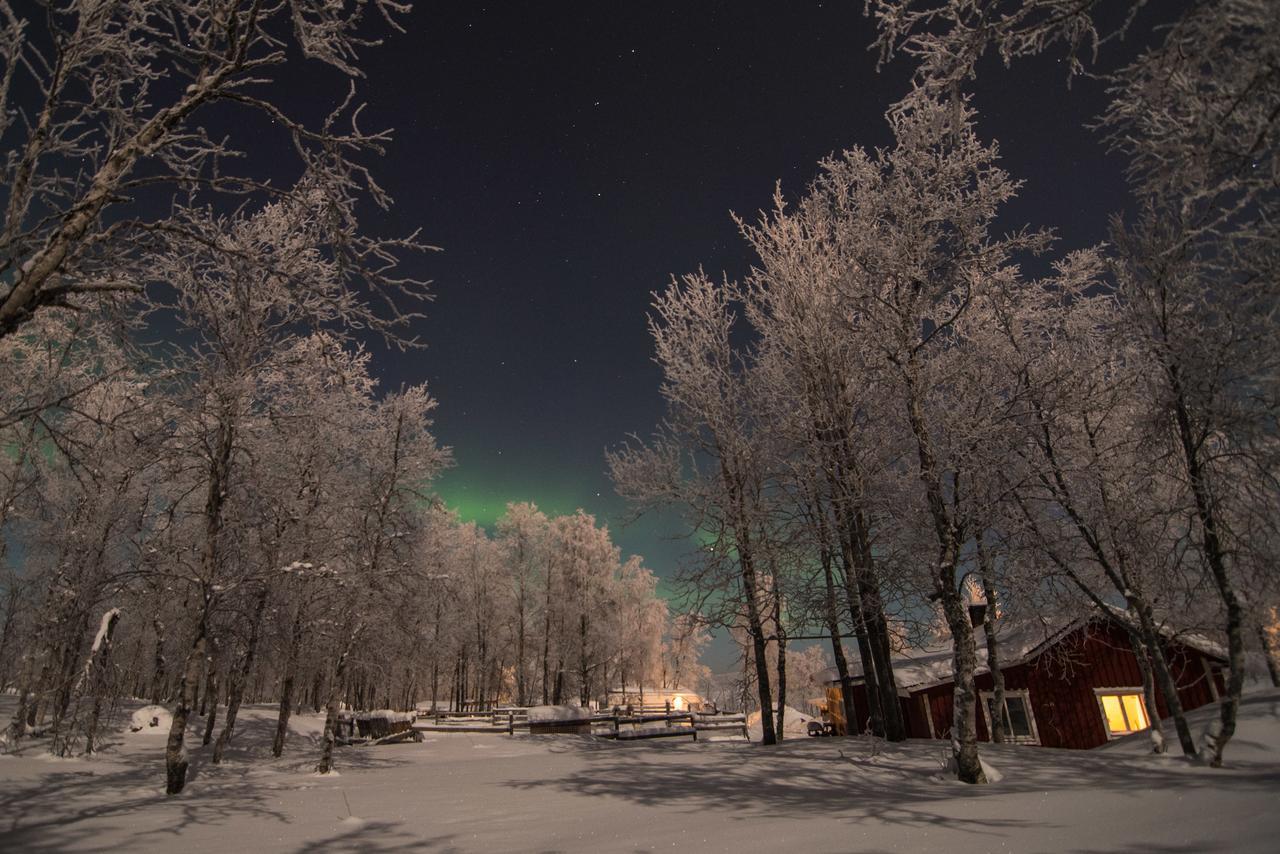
point(615, 725)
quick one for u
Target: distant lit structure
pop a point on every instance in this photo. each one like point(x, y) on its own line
point(676, 699)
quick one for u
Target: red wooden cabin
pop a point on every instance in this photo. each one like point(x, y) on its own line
point(1077, 686)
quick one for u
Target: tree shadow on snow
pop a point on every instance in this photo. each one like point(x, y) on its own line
point(120, 795)
point(251, 746)
point(377, 837)
point(50, 813)
point(839, 778)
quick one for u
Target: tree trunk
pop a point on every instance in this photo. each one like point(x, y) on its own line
point(158, 674)
point(331, 717)
point(584, 673)
point(317, 691)
point(895, 729)
point(1164, 677)
point(1215, 555)
point(282, 719)
point(238, 681)
point(546, 637)
point(1156, 730)
point(871, 684)
point(97, 681)
point(782, 663)
point(993, 646)
point(756, 629)
point(522, 695)
point(837, 644)
point(213, 695)
point(67, 682)
point(26, 700)
point(175, 752)
point(287, 684)
point(964, 732)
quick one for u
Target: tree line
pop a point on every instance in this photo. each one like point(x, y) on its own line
point(205, 497)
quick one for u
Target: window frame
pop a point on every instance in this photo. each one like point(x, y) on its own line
point(1099, 693)
point(987, 698)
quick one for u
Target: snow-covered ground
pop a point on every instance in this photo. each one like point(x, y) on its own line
point(457, 792)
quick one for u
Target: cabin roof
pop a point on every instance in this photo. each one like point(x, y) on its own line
point(635, 689)
point(927, 667)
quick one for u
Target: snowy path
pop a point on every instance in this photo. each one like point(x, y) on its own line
point(495, 793)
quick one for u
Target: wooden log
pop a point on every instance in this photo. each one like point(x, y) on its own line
point(496, 730)
point(644, 719)
point(657, 733)
point(396, 738)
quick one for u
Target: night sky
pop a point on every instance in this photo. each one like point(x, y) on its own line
point(569, 159)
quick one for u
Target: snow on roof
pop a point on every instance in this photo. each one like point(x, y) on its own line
point(633, 689)
point(925, 667)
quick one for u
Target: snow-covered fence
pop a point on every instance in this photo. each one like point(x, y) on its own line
point(721, 724)
point(502, 720)
point(552, 720)
point(674, 724)
point(510, 715)
point(549, 720)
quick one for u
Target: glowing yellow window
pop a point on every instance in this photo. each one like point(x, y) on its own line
point(1124, 713)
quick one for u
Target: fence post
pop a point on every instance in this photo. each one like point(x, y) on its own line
point(511, 723)
point(693, 725)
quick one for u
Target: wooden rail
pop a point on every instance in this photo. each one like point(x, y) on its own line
point(688, 723)
point(678, 724)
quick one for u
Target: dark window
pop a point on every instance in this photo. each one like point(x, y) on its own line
point(1017, 720)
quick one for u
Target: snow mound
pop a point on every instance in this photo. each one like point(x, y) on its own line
point(795, 723)
point(152, 720)
point(992, 772)
point(388, 715)
point(544, 714)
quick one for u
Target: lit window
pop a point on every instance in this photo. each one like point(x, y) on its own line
point(1123, 712)
point(1019, 724)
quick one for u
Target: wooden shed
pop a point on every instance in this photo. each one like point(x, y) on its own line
point(1075, 686)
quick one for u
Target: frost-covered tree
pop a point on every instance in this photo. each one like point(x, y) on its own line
point(90, 484)
point(916, 237)
point(110, 110)
point(1194, 270)
point(522, 536)
point(708, 459)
